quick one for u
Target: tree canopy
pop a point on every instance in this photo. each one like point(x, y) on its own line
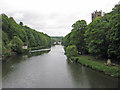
point(100, 38)
point(11, 31)
point(71, 51)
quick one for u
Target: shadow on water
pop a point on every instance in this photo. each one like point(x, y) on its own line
point(97, 79)
point(10, 64)
point(78, 75)
point(84, 77)
point(37, 53)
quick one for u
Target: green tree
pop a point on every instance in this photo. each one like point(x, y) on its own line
point(95, 37)
point(71, 51)
point(76, 37)
point(21, 23)
point(17, 44)
point(100, 38)
point(5, 38)
point(24, 33)
point(103, 35)
point(66, 40)
point(3, 49)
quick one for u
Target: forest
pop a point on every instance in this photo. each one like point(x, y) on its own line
point(100, 38)
point(57, 37)
point(14, 36)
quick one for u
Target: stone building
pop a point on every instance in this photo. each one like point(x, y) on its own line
point(96, 14)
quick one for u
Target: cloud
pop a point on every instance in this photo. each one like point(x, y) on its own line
point(18, 16)
point(54, 17)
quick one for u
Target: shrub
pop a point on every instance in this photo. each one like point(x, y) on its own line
point(71, 51)
point(17, 45)
point(3, 50)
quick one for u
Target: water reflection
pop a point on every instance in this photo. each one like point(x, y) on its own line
point(51, 70)
point(84, 77)
point(99, 80)
point(10, 64)
point(37, 53)
point(78, 75)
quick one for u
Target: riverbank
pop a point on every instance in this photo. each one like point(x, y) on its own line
point(40, 47)
point(51, 70)
point(12, 53)
point(25, 51)
point(98, 65)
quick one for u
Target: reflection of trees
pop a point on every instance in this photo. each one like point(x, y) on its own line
point(37, 53)
point(10, 64)
point(78, 75)
point(84, 77)
point(99, 80)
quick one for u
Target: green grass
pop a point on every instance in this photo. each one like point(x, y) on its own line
point(93, 63)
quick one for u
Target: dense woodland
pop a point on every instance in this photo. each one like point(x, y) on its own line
point(59, 38)
point(101, 38)
point(15, 35)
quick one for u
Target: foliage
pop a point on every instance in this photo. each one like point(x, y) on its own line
point(103, 35)
point(71, 51)
point(100, 38)
point(5, 38)
point(17, 44)
point(10, 30)
point(3, 49)
point(21, 23)
point(91, 62)
point(57, 37)
point(76, 37)
point(66, 40)
point(95, 37)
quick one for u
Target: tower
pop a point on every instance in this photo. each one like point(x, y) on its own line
point(96, 14)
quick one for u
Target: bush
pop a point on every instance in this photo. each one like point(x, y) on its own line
point(71, 51)
point(17, 45)
point(3, 50)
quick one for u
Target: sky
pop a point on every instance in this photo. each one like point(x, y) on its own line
point(54, 17)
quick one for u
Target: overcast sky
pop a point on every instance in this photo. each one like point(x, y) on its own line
point(54, 17)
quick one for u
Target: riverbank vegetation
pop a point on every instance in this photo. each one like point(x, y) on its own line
point(71, 51)
point(59, 38)
point(100, 39)
point(97, 64)
point(15, 35)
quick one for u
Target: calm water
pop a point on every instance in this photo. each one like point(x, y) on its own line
point(51, 70)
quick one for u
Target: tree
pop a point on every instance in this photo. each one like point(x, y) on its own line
point(17, 44)
point(32, 37)
point(100, 38)
point(95, 37)
point(103, 35)
point(77, 35)
point(21, 23)
point(5, 38)
point(71, 51)
point(113, 35)
point(3, 49)
point(66, 40)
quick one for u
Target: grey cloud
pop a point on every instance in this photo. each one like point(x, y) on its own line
point(55, 17)
point(42, 22)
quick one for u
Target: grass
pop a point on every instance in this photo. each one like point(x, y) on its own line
point(93, 63)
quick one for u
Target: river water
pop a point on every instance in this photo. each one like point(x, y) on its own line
point(51, 70)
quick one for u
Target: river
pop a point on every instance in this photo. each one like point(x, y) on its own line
point(51, 70)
